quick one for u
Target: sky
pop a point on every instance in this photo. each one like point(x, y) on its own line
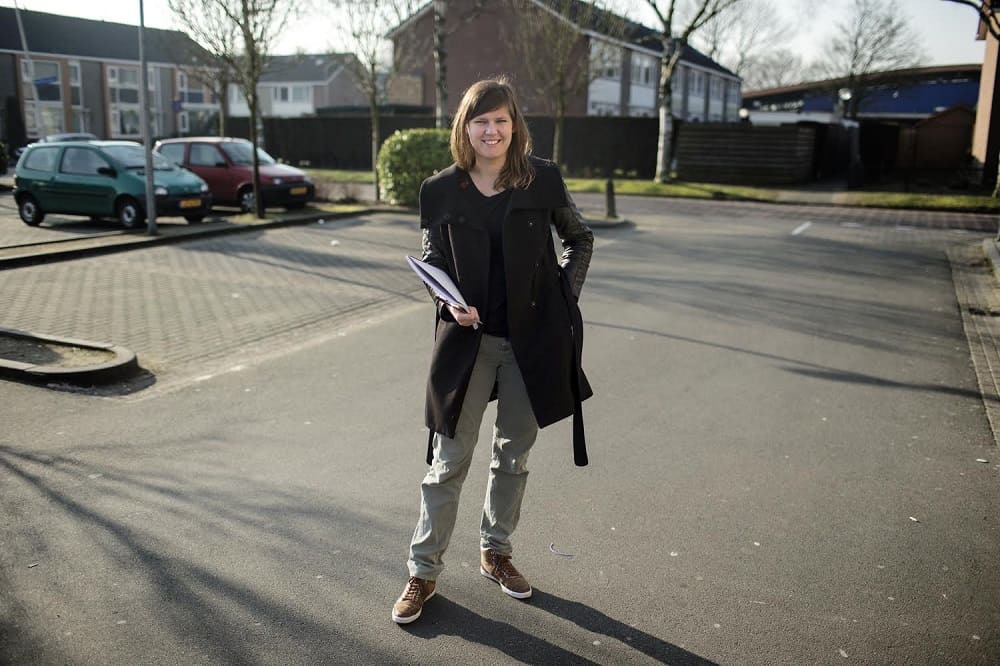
point(947, 30)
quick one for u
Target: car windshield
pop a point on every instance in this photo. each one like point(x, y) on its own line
point(239, 152)
point(134, 157)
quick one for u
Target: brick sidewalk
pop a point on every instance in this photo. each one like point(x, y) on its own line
point(181, 306)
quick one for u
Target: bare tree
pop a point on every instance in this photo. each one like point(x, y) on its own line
point(743, 35)
point(365, 23)
point(207, 68)
point(774, 69)
point(874, 38)
point(441, 34)
point(701, 11)
point(551, 46)
point(257, 24)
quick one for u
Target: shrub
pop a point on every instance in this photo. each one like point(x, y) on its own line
point(407, 158)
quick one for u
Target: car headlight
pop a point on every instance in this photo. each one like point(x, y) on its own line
point(204, 187)
point(160, 191)
point(307, 180)
point(277, 181)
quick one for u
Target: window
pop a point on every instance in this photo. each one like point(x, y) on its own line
point(189, 89)
point(642, 69)
point(279, 94)
point(606, 59)
point(300, 93)
point(78, 113)
point(123, 91)
point(715, 87)
point(204, 154)
point(41, 84)
point(81, 162)
point(42, 159)
point(173, 152)
point(697, 83)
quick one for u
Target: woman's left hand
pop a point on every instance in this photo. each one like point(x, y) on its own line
point(465, 317)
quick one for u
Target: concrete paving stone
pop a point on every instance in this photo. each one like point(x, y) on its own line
point(178, 305)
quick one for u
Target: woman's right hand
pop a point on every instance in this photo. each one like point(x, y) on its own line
point(465, 317)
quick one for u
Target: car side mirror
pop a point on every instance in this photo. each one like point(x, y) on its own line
point(107, 171)
point(221, 164)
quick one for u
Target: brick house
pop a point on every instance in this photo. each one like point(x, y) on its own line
point(299, 85)
point(83, 76)
point(624, 70)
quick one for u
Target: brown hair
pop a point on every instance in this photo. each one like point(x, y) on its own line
point(482, 97)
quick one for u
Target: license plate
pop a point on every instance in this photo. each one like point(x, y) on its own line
point(190, 203)
point(299, 190)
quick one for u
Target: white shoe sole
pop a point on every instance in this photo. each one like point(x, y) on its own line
point(412, 618)
point(506, 590)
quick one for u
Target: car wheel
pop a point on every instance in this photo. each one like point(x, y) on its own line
point(29, 211)
point(129, 213)
point(246, 200)
point(194, 219)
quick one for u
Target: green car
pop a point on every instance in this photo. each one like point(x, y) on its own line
point(103, 179)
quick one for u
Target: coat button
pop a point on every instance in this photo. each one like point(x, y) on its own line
point(532, 304)
point(461, 218)
point(531, 223)
point(447, 216)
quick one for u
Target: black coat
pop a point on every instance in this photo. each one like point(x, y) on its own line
point(545, 327)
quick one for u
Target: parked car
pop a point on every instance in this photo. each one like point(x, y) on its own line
point(103, 179)
point(227, 166)
point(54, 138)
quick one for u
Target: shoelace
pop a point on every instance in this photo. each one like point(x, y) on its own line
point(414, 590)
point(503, 567)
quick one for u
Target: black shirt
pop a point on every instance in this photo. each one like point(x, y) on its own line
point(492, 211)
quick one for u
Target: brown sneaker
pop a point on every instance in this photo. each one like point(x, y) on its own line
point(498, 568)
point(409, 605)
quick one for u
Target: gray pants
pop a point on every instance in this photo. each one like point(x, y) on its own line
point(513, 434)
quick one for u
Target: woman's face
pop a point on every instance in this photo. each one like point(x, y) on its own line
point(490, 134)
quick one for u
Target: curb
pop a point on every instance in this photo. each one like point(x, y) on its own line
point(123, 366)
point(607, 222)
point(181, 234)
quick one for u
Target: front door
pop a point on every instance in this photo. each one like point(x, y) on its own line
point(80, 188)
point(206, 160)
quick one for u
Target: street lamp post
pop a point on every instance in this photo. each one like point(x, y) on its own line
point(146, 134)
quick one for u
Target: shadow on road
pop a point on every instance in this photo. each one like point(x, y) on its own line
point(806, 368)
point(592, 620)
point(442, 616)
point(225, 607)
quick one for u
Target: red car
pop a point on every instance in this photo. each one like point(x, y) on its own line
point(227, 166)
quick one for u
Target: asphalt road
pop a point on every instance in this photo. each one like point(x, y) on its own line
point(784, 448)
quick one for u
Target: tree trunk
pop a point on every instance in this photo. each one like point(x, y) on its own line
point(258, 200)
point(373, 110)
point(223, 105)
point(671, 54)
point(440, 66)
point(557, 135)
